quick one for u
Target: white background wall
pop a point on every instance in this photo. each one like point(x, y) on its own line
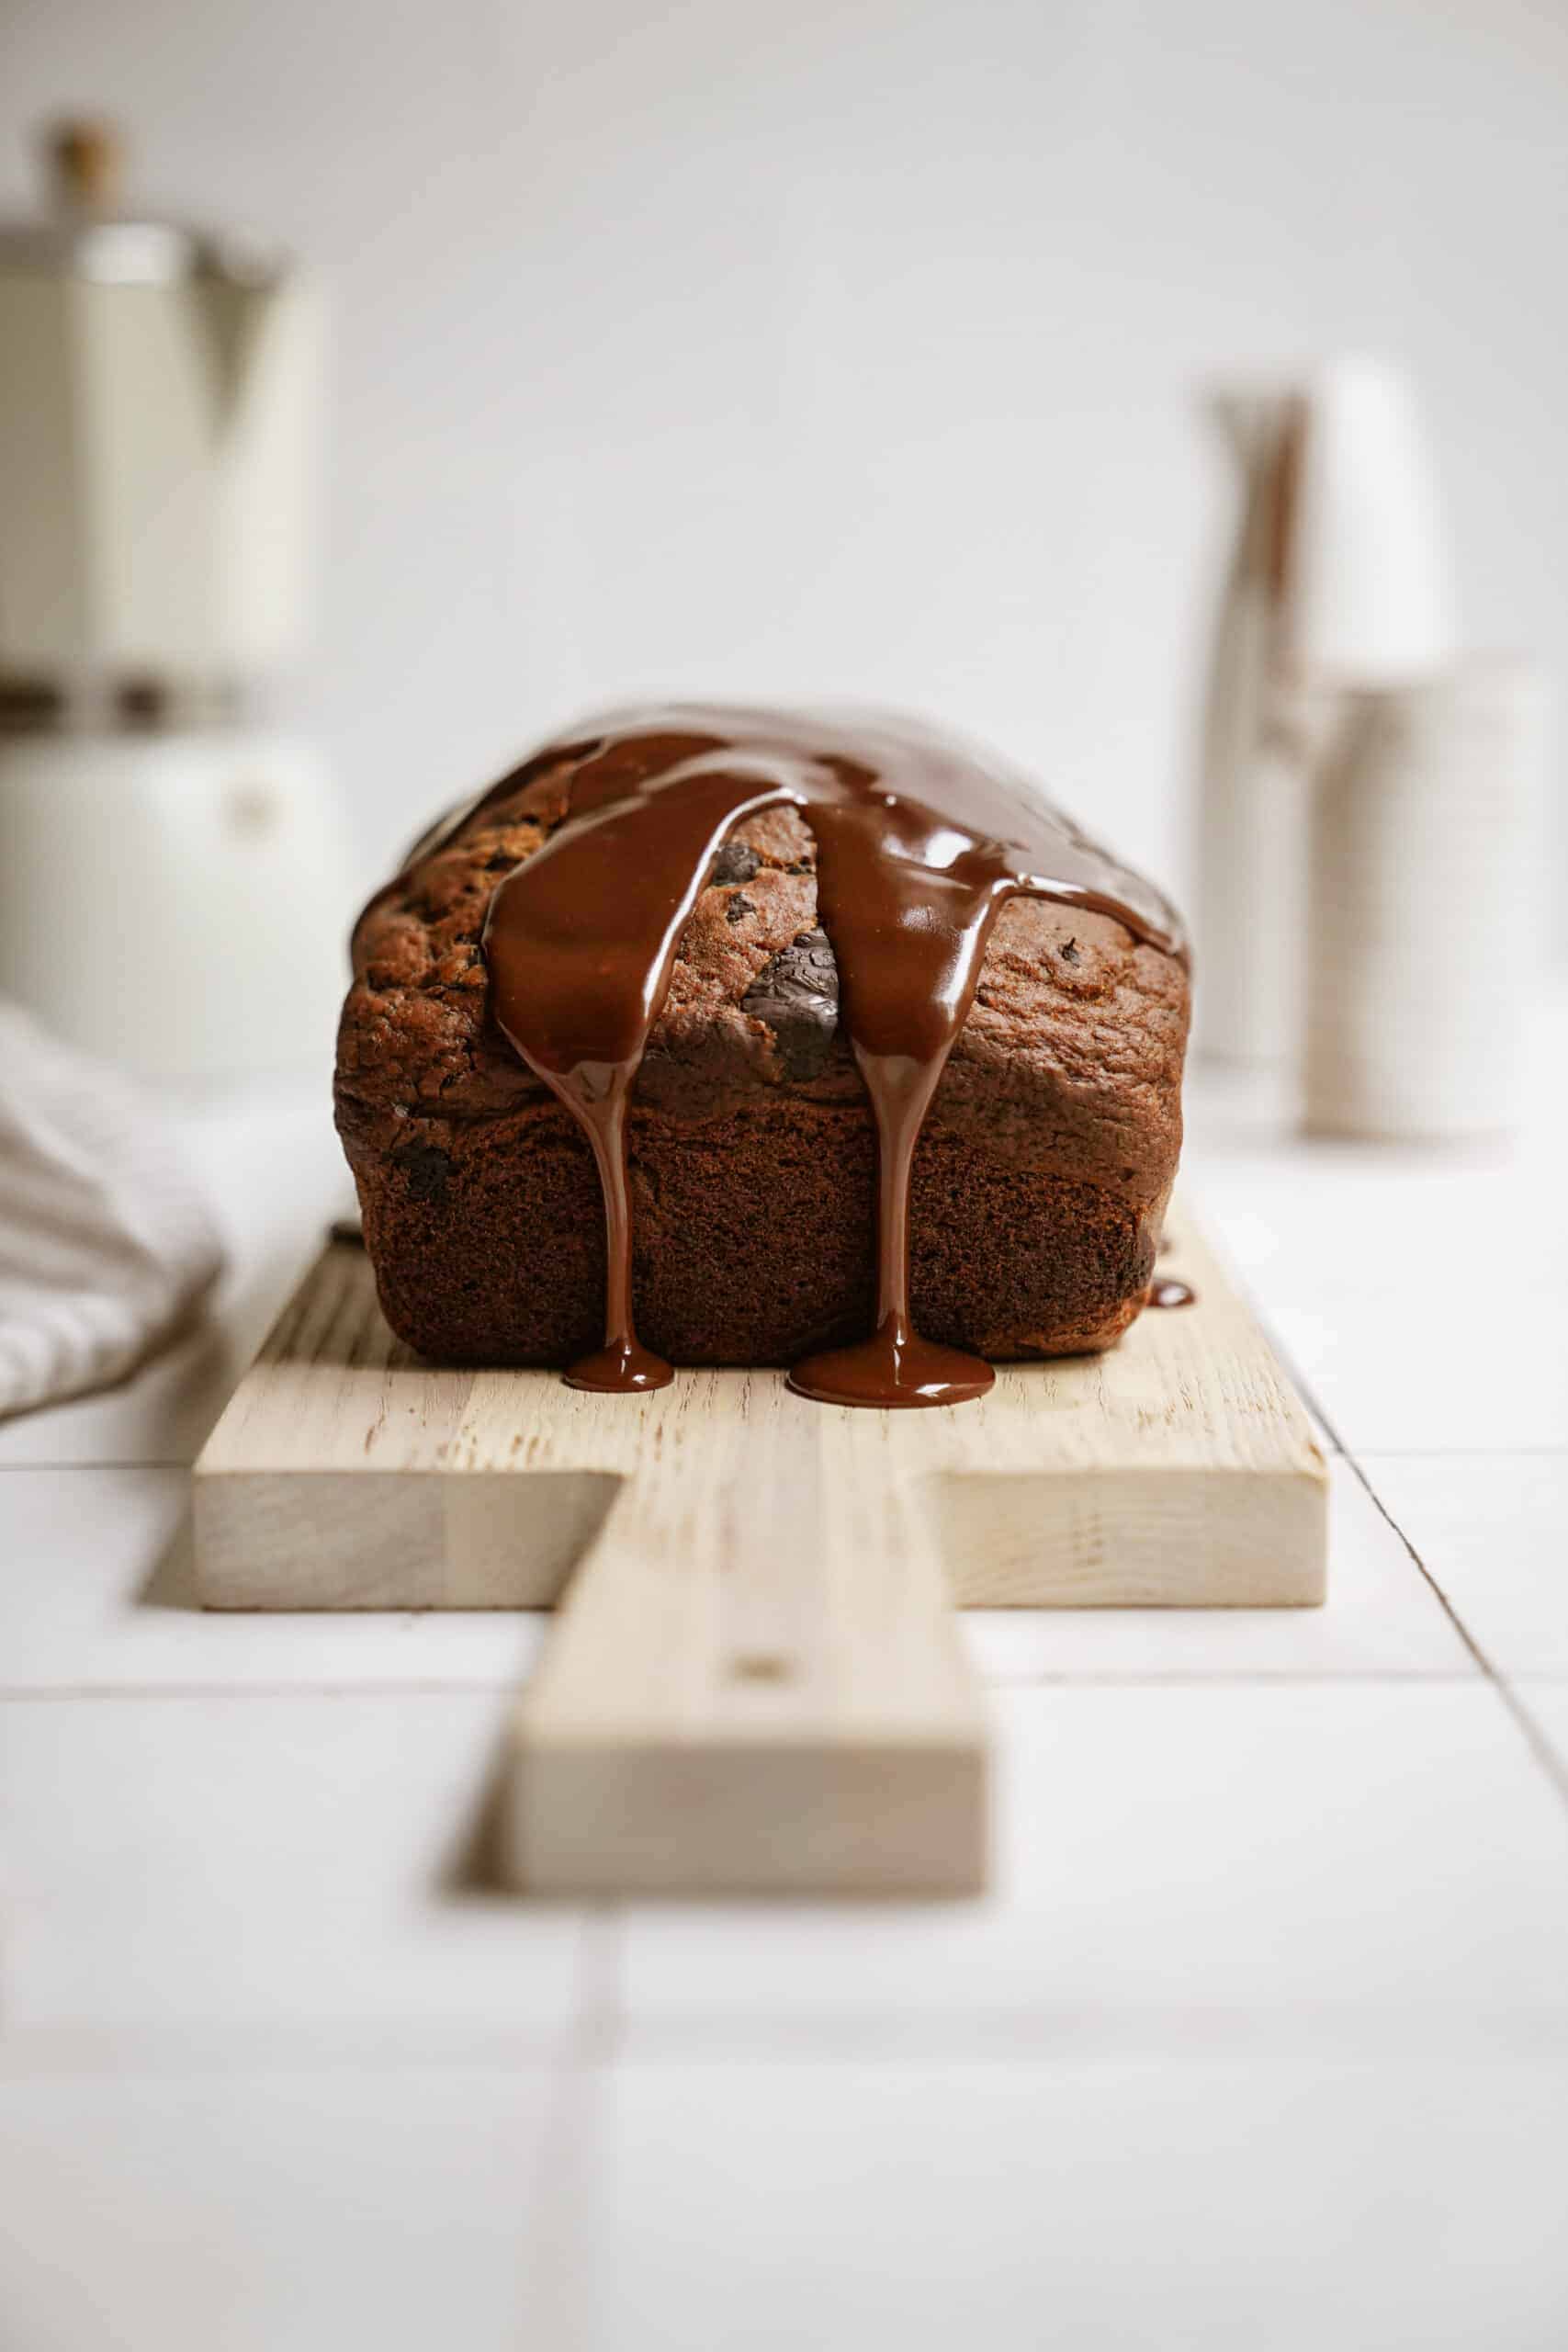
point(848, 349)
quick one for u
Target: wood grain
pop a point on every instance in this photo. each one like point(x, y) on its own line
point(756, 1682)
point(752, 1689)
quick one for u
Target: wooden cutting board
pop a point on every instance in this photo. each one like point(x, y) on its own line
point(756, 1683)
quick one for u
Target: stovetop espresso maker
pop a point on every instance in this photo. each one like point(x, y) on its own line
point(173, 872)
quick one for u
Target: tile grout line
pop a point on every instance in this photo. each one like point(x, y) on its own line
point(1045, 1677)
point(1535, 1739)
point(18, 1469)
point(100, 1462)
point(570, 2183)
point(598, 2026)
point(1250, 1677)
point(598, 2036)
point(31, 1693)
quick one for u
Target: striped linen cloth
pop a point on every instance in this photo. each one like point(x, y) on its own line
point(106, 1243)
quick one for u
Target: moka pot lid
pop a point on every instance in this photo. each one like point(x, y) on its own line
point(87, 233)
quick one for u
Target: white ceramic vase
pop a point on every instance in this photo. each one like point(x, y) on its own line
point(1252, 806)
point(1338, 579)
point(1366, 582)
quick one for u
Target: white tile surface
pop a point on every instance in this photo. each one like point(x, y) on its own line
point(1286, 1848)
point(1411, 1290)
point(1263, 2037)
point(180, 1863)
point(96, 1593)
point(1385, 1366)
point(1216, 2198)
point(253, 2212)
point(1548, 1706)
point(1382, 1619)
point(1493, 1529)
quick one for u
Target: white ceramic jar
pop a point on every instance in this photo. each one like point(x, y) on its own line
point(175, 903)
point(1423, 918)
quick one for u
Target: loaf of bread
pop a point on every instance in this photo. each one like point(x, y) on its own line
point(1037, 1184)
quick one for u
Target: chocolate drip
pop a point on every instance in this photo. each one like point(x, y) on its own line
point(1169, 1292)
point(921, 842)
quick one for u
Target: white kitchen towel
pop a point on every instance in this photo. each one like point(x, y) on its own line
point(106, 1243)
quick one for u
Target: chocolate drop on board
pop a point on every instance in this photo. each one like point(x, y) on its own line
point(920, 840)
point(1169, 1292)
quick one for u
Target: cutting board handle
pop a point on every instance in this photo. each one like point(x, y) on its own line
point(749, 1689)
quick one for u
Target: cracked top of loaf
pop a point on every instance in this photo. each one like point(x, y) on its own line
point(1075, 1020)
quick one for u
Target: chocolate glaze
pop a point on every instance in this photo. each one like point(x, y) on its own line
point(1169, 1292)
point(920, 840)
